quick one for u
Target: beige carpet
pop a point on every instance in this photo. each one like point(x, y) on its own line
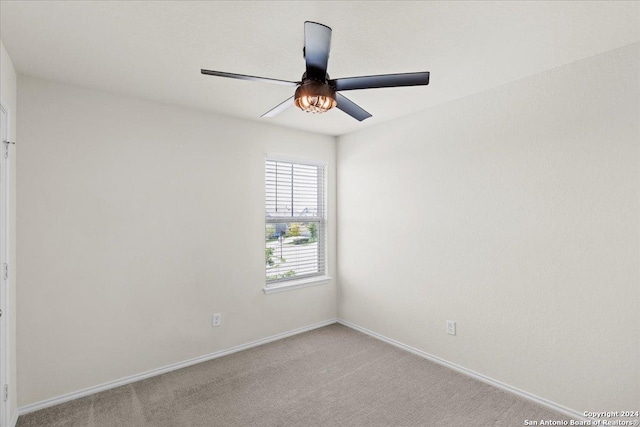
point(333, 376)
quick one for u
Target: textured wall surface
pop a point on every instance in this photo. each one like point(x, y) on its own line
point(514, 212)
point(137, 222)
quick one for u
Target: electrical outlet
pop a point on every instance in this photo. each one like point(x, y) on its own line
point(217, 320)
point(451, 327)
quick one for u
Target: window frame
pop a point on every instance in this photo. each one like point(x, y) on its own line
point(307, 280)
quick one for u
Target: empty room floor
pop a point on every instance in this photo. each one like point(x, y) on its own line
point(332, 376)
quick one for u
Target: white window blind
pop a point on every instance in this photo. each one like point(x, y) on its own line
point(295, 221)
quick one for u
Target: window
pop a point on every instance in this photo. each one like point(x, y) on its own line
point(295, 221)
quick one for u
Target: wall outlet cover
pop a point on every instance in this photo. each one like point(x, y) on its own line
point(451, 327)
point(217, 319)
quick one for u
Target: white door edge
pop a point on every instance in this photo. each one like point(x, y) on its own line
point(4, 280)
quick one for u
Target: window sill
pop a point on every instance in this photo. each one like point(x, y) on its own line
point(297, 284)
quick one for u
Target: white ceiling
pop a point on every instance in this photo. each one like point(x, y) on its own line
point(155, 50)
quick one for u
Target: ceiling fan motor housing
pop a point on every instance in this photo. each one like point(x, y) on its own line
point(314, 96)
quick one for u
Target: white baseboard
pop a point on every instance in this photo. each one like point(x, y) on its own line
point(179, 365)
point(159, 371)
point(537, 399)
point(14, 420)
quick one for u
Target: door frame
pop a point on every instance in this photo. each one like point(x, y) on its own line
point(4, 277)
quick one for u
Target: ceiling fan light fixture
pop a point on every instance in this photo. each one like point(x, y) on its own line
point(315, 97)
point(316, 92)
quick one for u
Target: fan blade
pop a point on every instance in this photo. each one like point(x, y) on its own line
point(288, 103)
point(317, 42)
point(383, 80)
point(351, 108)
point(245, 77)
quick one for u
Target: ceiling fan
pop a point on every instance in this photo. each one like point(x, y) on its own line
point(316, 92)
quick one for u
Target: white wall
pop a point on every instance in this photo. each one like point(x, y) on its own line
point(514, 212)
point(8, 97)
point(138, 221)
